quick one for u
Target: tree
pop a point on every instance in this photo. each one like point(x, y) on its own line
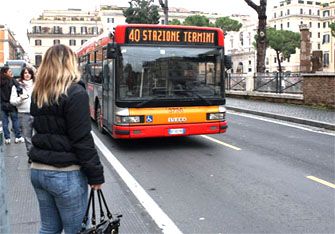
point(141, 12)
point(261, 32)
point(332, 27)
point(284, 42)
point(227, 24)
point(174, 22)
point(196, 20)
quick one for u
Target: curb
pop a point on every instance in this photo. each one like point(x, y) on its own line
point(286, 118)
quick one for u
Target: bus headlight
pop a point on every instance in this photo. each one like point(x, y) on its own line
point(128, 119)
point(216, 116)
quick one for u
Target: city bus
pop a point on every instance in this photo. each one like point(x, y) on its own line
point(156, 80)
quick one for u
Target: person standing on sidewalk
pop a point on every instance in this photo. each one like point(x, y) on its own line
point(22, 103)
point(7, 109)
point(64, 158)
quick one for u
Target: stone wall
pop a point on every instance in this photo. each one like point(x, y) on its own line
point(319, 89)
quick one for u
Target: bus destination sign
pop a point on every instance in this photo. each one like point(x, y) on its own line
point(176, 36)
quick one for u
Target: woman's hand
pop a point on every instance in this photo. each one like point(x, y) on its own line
point(96, 186)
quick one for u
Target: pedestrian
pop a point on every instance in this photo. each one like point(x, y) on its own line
point(7, 109)
point(64, 158)
point(22, 103)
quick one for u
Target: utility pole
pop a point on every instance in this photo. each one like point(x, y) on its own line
point(165, 10)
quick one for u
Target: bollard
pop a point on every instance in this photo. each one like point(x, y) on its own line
point(4, 223)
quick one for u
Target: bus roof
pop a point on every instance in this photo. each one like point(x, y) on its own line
point(120, 35)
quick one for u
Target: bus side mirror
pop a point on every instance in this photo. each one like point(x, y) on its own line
point(228, 62)
point(111, 51)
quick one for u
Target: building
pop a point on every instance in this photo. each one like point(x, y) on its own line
point(71, 27)
point(240, 45)
point(317, 15)
point(10, 49)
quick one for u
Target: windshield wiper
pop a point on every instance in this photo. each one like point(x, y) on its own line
point(149, 100)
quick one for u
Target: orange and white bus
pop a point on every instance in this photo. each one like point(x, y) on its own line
point(156, 80)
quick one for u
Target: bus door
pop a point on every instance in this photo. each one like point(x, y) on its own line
point(107, 93)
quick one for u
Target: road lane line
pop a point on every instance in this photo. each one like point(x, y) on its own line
point(267, 119)
point(157, 214)
point(321, 181)
point(221, 142)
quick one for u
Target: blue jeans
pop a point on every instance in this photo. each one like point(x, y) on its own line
point(15, 123)
point(62, 198)
point(26, 122)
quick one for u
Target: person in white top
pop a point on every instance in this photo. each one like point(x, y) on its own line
point(21, 98)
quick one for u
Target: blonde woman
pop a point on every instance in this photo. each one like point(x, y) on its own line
point(63, 156)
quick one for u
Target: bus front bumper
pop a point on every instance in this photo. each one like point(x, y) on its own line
point(146, 131)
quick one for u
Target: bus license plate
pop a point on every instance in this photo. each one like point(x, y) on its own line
point(176, 131)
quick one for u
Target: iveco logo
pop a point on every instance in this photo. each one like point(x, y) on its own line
point(177, 119)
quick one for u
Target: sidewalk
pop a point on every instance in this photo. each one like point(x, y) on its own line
point(322, 118)
point(23, 207)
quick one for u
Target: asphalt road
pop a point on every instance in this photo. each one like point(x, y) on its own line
point(207, 187)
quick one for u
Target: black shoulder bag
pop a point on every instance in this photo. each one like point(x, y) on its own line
point(107, 224)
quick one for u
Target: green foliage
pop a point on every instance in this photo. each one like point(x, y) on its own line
point(332, 27)
point(283, 41)
point(227, 24)
point(141, 12)
point(174, 22)
point(197, 20)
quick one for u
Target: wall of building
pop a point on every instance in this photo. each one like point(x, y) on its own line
point(318, 89)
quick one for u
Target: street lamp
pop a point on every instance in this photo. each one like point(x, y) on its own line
point(165, 10)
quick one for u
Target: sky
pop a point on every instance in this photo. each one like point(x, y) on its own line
point(17, 13)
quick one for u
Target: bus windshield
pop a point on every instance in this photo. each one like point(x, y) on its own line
point(171, 73)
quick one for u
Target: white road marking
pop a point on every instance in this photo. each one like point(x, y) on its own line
point(220, 142)
point(321, 181)
point(266, 119)
point(157, 214)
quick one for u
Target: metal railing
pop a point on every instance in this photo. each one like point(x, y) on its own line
point(278, 82)
point(236, 81)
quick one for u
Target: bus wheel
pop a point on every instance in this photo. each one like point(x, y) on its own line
point(98, 119)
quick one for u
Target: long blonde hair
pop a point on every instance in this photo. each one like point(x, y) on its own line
point(58, 70)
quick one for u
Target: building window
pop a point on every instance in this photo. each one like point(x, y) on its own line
point(301, 22)
point(275, 60)
point(57, 30)
point(325, 13)
point(310, 24)
point(288, 24)
point(319, 46)
point(300, 1)
point(83, 41)
point(319, 25)
point(241, 38)
point(319, 35)
point(275, 26)
point(281, 13)
point(38, 60)
point(281, 26)
point(267, 61)
point(94, 30)
point(72, 30)
point(72, 42)
point(310, 11)
point(37, 29)
point(301, 11)
point(325, 59)
point(326, 39)
point(83, 30)
point(309, 2)
point(56, 42)
point(324, 24)
point(318, 12)
point(310, 34)
point(288, 11)
point(275, 15)
point(110, 20)
point(38, 42)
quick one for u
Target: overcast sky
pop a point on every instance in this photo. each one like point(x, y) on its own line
point(17, 13)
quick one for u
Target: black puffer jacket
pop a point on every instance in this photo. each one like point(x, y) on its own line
point(63, 134)
point(6, 84)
